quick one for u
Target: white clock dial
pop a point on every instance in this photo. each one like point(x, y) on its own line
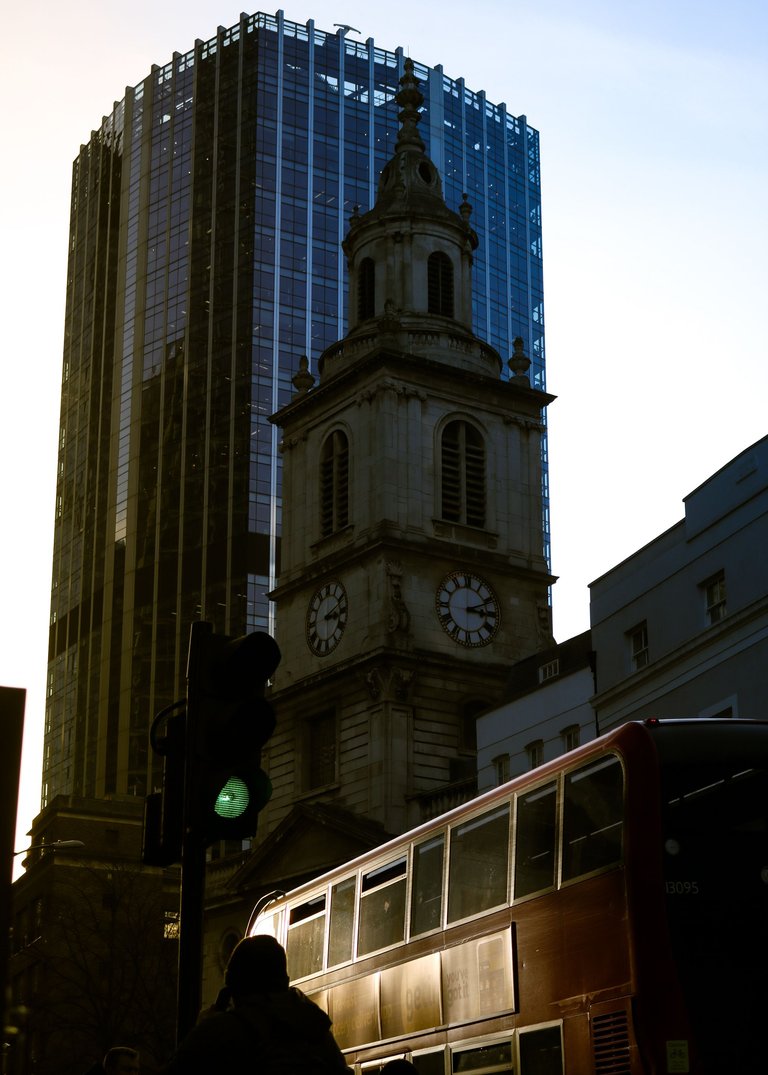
point(326, 618)
point(467, 609)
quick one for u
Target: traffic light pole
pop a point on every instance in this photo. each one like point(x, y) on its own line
point(188, 994)
point(228, 720)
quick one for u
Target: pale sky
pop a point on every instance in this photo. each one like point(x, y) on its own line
point(654, 148)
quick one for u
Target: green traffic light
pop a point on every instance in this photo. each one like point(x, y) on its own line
point(233, 799)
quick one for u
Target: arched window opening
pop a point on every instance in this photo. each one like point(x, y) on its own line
point(463, 474)
point(334, 483)
point(366, 289)
point(440, 284)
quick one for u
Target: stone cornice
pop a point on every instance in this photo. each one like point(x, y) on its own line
point(387, 674)
point(516, 402)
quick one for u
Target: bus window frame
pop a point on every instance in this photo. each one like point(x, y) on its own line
point(557, 850)
point(469, 820)
point(355, 878)
point(444, 1049)
point(467, 1045)
point(317, 896)
point(598, 762)
point(404, 856)
point(438, 834)
point(533, 1028)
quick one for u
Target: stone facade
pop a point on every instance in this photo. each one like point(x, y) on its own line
point(397, 682)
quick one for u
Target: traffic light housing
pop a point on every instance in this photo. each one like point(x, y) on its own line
point(228, 722)
point(164, 810)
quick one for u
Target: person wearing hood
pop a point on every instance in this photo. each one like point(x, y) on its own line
point(270, 1027)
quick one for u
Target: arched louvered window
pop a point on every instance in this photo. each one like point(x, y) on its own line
point(366, 289)
point(440, 284)
point(334, 483)
point(463, 474)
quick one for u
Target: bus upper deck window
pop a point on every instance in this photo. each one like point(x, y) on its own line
point(479, 856)
point(341, 927)
point(382, 907)
point(306, 934)
point(536, 840)
point(427, 893)
point(593, 811)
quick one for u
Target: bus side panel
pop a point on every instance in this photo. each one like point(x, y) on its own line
point(574, 947)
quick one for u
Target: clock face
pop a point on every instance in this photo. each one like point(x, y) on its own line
point(467, 609)
point(326, 618)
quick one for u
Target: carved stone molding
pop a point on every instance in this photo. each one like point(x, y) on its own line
point(387, 683)
point(399, 617)
point(530, 424)
point(288, 443)
point(389, 384)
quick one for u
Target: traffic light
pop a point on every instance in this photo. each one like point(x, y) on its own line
point(164, 810)
point(229, 721)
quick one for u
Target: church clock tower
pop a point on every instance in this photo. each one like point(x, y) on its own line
point(412, 566)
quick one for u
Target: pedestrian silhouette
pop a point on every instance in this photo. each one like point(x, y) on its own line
point(260, 1023)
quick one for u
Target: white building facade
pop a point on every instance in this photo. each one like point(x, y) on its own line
point(680, 628)
point(547, 712)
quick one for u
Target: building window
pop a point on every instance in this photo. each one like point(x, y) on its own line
point(171, 925)
point(320, 751)
point(535, 752)
point(571, 737)
point(638, 646)
point(334, 483)
point(366, 289)
point(714, 593)
point(549, 670)
point(440, 284)
point(463, 474)
point(501, 768)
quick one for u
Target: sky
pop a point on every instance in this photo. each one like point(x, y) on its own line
point(654, 163)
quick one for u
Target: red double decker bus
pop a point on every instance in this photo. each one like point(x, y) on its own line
point(606, 913)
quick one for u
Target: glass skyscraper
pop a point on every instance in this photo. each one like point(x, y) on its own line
point(204, 260)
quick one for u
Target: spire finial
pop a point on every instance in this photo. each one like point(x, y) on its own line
point(410, 98)
point(519, 363)
point(303, 380)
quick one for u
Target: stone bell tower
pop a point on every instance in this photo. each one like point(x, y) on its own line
point(412, 571)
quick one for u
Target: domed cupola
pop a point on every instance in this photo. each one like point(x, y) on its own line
point(410, 180)
point(410, 256)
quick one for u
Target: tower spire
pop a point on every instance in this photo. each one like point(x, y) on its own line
point(410, 98)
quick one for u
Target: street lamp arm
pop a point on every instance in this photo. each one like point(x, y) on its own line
point(54, 845)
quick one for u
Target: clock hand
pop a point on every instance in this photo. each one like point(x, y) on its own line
point(332, 615)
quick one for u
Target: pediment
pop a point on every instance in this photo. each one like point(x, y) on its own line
point(313, 838)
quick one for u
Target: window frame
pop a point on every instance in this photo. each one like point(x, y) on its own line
point(366, 289)
point(638, 654)
point(440, 284)
point(334, 482)
point(715, 598)
point(534, 752)
point(463, 474)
